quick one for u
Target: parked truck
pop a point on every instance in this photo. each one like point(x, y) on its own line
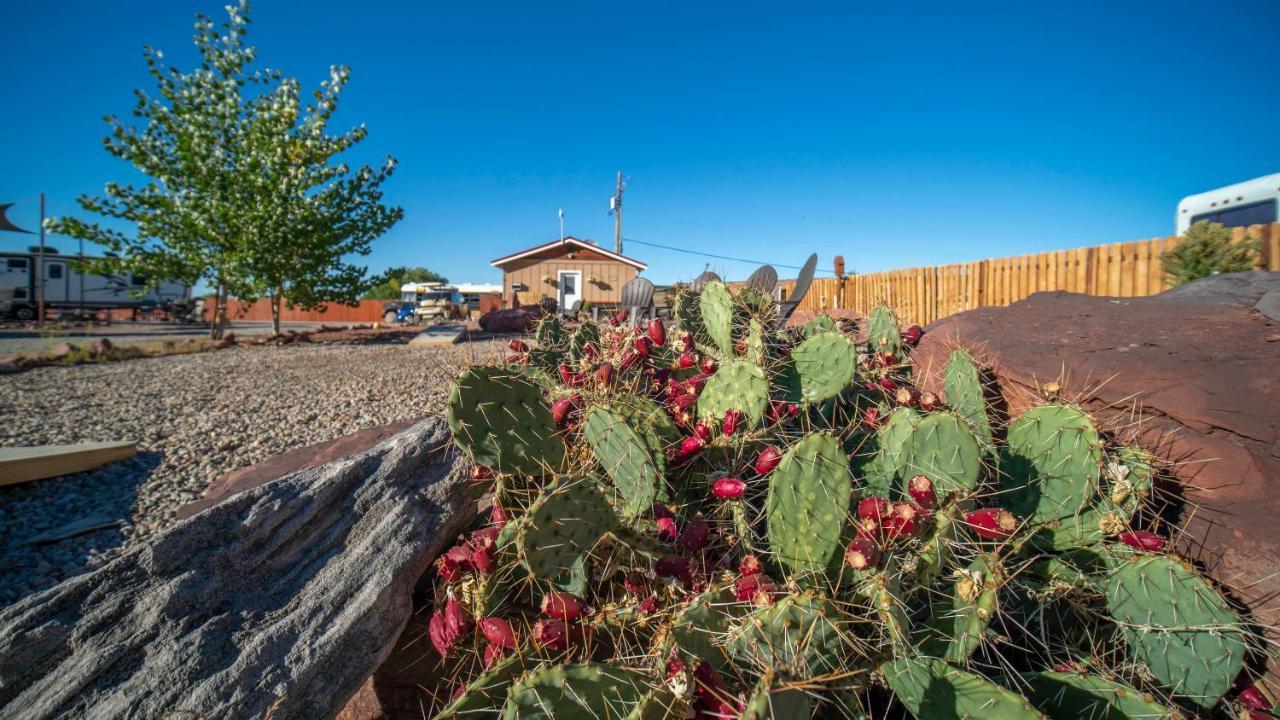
point(68, 291)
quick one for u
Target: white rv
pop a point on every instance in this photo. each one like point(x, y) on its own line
point(1253, 202)
point(66, 290)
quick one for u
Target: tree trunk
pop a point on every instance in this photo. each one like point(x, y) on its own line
point(276, 602)
point(219, 304)
point(276, 299)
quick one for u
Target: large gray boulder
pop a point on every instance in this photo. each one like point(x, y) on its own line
point(278, 601)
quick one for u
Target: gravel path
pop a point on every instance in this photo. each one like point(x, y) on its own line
point(194, 418)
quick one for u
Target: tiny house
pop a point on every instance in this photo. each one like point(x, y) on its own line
point(565, 271)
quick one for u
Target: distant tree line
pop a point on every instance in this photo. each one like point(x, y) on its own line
point(244, 190)
point(386, 286)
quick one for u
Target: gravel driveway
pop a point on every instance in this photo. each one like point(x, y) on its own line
point(194, 418)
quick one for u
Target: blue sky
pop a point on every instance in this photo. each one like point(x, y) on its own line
point(898, 134)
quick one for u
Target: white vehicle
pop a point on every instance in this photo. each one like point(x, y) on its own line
point(66, 290)
point(1253, 202)
point(431, 302)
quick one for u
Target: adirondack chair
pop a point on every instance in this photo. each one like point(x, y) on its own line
point(573, 311)
point(637, 296)
point(764, 279)
point(803, 280)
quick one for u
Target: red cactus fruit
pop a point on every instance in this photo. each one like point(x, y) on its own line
point(713, 697)
point(740, 346)
point(767, 460)
point(456, 619)
point(562, 606)
point(1143, 541)
point(862, 554)
point(622, 315)
point(912, 334)
point(708, 366)
point(604, 374)
point(873, 508)
point(590, 351)
point(732, 418)
point(515, 359)
point(648, 606)
point(728, 488)
point(684, 401)
point(901, 521)
point(702, 432)
point(746, 587)
point(449, 569)
point(887, 384)
point(635, 583)
point(907, 396)
point(867, 529)
point(480, 472)
point(695, 534)
point(1251, 697)
point(492, 654)
point(629, 359)
point(657, 332)
point(691, 445)
point(569, 376)
point(749, 565)
point(871, 418)
point(482, 559)
point(686, 340)
point(498, 516)
point(920, 488)
point(687, 360)
point(929, 402)
point(551, 634)
point(991, 523)
point(440, 638)
point(667, 529)
point(518, 346)
point(673, 566)
point(695, 383)
point(561, 408)
point(643, 346)
point(498, 632)
point(887, 359)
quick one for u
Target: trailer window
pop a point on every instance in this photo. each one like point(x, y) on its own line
point(140, 280)
point(1259, 213)
point(55, 271)
point(17, 263)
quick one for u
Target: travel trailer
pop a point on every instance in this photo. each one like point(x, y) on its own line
point(1253, 202)
point(66, 290)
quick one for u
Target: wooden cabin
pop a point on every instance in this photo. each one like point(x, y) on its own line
point(565, 271)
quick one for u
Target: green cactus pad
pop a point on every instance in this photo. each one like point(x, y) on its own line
point(768, 703)
point(936, 551)
point(943, 448)
point(819, 324)
point(1177, 625)
point(687, 311)
point(586, 334)
point(1089, 527)
point(883, 332)
point(503, 422)
point(549, 331)
point(1072, 695)
point(809, 495)
point(933, 690)
point(577, 690)
point(825, 364)
point(958, 625)
point(647, 416)
point(564, 523)
point(1053, 461)
point(755, 342)
point(699, 627)
point(885, 595)
point(798, 634)
point(487, 693)
point(716, 307)
point(885, 469)
point(736, 385)
point(627, 458)
point(963, 386)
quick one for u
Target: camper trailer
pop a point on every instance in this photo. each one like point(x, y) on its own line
point(68, 291)
point(1253, 202)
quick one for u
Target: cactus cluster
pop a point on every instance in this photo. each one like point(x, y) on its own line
point(735, 519)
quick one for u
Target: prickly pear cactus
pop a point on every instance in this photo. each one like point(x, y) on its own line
point(735, 519)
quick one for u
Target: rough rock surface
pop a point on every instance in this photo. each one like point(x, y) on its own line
point(511, 320)
point(1192, 373)
point(280, 600)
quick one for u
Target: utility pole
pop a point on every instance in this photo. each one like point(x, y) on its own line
point(617, 217)
point(40, 270)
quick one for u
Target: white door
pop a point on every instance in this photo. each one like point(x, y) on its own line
point(570, 283)
point(56, 278)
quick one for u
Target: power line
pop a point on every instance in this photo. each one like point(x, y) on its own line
point(722, 257)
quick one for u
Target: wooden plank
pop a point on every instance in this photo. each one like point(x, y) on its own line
point(1128, 264)
point(23, 464)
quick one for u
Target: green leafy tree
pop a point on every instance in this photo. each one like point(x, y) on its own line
point(1207, 249)
point(386, 286)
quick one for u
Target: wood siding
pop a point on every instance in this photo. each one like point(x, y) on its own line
point(612, 275)
point(924, 294)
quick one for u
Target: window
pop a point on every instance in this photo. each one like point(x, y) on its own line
point(140, 280)
point(19, 293)
point(570, 284)
point(18, 264)
point(55, 271)
point(1259, 213)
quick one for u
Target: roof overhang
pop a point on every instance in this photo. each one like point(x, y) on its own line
point(568, 241)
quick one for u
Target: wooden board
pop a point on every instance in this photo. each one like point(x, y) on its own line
point(21, 464)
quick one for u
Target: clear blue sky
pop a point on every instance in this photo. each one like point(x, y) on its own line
point(898, 134)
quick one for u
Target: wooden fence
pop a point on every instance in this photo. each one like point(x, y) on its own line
point(366, 312)
point(924, 294)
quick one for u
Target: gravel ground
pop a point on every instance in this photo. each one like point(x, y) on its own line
point(194, 418)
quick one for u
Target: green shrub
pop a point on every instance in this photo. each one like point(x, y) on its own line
point(1207, 249)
